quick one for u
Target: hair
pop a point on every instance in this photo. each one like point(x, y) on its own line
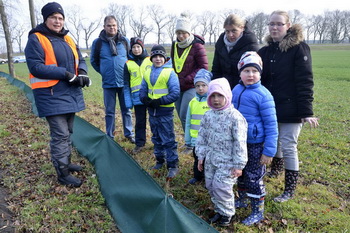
point(109, 17)
point(281, 13)
point(235, 20)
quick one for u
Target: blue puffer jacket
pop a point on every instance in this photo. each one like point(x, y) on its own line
point(111, 67)
point(173, 86)
point(61, 98)
point(256, 104)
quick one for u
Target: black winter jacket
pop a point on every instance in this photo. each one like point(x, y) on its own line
point(225, 63)
point(287, 74)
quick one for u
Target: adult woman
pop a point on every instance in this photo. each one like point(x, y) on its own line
point(188, 55)
point(229, 48)
point(288, 76)
point(58, 72)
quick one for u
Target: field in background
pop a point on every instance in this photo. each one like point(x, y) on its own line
point(321, 202)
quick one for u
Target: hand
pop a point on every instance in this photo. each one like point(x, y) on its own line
point(146, 101)
point(155, 103)
point(265, 160)
point(200, 165)
point(80, 80)
point(236, 172)
point(313, 121)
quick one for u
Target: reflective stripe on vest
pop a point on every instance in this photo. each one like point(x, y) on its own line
point(50, 60)
point(197, 110)
point(136, 72)
point(180, 61)
point(160, 88)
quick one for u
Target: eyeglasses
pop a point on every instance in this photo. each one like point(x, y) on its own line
point(276, 24)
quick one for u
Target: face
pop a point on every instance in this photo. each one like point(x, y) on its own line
point(55, 22)
point(158, 60)
point(136, 49)
point(182, 35)
point(233, 32)
point(201, 87)
point(250, 75)
point(111, 27)
point(278, 27)
point(217, 100)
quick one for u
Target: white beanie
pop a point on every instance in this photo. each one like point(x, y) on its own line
point(183, 23)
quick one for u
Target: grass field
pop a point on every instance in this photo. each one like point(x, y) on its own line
point(322, 199)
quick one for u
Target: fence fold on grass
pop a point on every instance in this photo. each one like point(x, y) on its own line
point(136, 201)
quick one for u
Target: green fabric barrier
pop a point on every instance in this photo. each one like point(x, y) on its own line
point(135, 200)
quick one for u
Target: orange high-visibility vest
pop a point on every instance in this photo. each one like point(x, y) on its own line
point(50, 60)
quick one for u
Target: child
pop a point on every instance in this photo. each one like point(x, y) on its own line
point(196, 109)
point(159, 90)
point(256, 104)
point(222, 143)
point(134, 69)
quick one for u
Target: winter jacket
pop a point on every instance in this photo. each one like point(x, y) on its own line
point(287, 74)
point(111, 67)
point(196, 60)
point(225, 63)
point(256, 104)
point(63, 97)
point(171, 97)
point(222, 139)
point(133, 98)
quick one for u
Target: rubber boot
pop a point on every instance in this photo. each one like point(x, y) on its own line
point(63, 175)
point(291, 180)
point(242, 200)
point(73, 167)
point(276, 167)
point(257, 211)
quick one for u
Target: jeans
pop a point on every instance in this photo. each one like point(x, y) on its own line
point(140, 125)
point(288, 134)
point(181, 105)
point(110, 97)
point(61, 127)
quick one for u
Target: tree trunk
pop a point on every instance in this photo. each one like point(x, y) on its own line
point(32, 13)
point(7, 33)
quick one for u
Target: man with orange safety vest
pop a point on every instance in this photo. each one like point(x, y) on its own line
point(57, 75)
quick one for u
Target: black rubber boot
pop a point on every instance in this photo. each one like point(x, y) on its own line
point(277, 166)
point(73, 167)
point(63, 175)
point(291, 180)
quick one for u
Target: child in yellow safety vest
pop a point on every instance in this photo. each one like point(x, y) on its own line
point(134, 69)
point(196, 109)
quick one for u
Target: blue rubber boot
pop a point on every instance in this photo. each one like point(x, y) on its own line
point(257, 212)
point(242, 200)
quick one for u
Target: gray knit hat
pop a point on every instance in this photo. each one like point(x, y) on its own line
point(183, 23)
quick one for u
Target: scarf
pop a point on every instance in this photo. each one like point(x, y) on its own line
point(187, 42)
point(229, 45)
point(113, 45)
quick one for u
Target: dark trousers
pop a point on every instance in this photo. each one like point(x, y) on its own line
point(196, 173)
point(140, 124)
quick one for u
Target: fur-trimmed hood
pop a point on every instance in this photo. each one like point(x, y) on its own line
point(294, 37)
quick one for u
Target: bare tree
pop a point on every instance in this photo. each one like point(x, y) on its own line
point(18, 33)
point(159, 17)
point(89, 28)
point(121, 12)
point(74, 24)
point(139, 24)
point(295, 16)
point(7, 33)
point(258, 24)
point(171, 26)
point(210, 24)
point(309, 27)
point(32, 14)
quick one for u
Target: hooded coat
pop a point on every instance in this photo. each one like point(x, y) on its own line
point(288, 75)
point(225, 63)
point(196, 60)
point(63, 97)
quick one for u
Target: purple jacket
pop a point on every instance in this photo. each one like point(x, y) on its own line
point(196, 60)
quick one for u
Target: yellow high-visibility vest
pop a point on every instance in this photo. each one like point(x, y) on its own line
point(197, 110)
point(180, 61)
point(136, 72)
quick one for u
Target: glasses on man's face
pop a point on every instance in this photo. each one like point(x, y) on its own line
point(276, 24)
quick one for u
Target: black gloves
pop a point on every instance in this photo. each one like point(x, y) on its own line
point(154, 103)
point(81, 80)
point(146, 101)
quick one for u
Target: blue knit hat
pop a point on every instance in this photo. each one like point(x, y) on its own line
point(204, 76)
point(51, 8)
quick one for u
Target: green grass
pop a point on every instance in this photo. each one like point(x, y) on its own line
point(322, 197)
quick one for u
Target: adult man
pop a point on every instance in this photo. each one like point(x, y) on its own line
point(108, 56)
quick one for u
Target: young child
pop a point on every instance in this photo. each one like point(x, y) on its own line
point(159, 90)
point(134, 69)
point(256, 104)
point(222, 143)
point(196, 109)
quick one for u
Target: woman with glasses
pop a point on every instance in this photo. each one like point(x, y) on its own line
point(236, 40)
point(287, 74)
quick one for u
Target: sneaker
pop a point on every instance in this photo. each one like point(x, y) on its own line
point(157, 166)
point(285, 196)
point(193, 181)
point(215, 218)
point(137, 149)
point(172, 172)
point(225, 221)
point(131, 139)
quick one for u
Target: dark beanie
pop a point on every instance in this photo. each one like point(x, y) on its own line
point(158, 50)
point(136, 40)
point(51, 8)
